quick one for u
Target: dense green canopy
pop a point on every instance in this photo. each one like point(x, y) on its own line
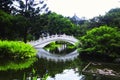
point(103, 40)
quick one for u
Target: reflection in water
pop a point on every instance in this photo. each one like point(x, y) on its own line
point(15, 69)
point(62, 47)
point(102, 71)
point(51, 70)
point(56, 69)
point(99, 77)
point(67, 74)
point(6, 64)
point(55, 57)
point(42, 69)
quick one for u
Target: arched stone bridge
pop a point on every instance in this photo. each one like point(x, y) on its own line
point(42, 42)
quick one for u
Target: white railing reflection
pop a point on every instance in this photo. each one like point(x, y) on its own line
point(49, 56)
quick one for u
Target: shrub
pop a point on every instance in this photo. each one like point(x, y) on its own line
point(15, 49)
point(103, 40)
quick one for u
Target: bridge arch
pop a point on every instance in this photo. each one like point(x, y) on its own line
point(42, 42)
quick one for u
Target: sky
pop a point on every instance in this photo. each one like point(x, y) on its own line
point(82, 8)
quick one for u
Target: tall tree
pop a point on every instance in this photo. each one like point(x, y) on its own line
point(6, 5)
point(112, 18)
point(30, 9)
point(54, 23)
point(5, 25)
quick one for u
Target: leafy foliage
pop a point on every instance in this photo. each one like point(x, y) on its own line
point(5, 25)
point(29, 9)
point(53, 23)
point(112, 18)
point(14, 49)
point(103, 40)
point(6, 5)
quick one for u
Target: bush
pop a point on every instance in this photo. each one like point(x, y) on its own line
point(15, 49)
point(103, 40)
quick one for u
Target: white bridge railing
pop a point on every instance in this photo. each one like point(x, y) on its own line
point(41, 42)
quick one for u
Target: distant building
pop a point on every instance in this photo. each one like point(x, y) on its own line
point(75, 19)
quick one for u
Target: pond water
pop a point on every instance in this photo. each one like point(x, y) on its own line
point(43, 69)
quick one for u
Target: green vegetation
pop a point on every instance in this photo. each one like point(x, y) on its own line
point(102, 40)
point(65, 47)
point(55, 23)
point(15, 49)
point(56, 44)
point(16, 64)
point(99, 37)
point(51, 68)
point(6, 24)
point(52, 46)
point(27, 23)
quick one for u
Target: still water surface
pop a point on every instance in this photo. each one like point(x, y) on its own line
point(43, 69)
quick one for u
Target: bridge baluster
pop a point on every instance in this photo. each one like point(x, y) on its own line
point(41, 42)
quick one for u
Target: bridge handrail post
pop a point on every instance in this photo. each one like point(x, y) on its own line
point(56, 35)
